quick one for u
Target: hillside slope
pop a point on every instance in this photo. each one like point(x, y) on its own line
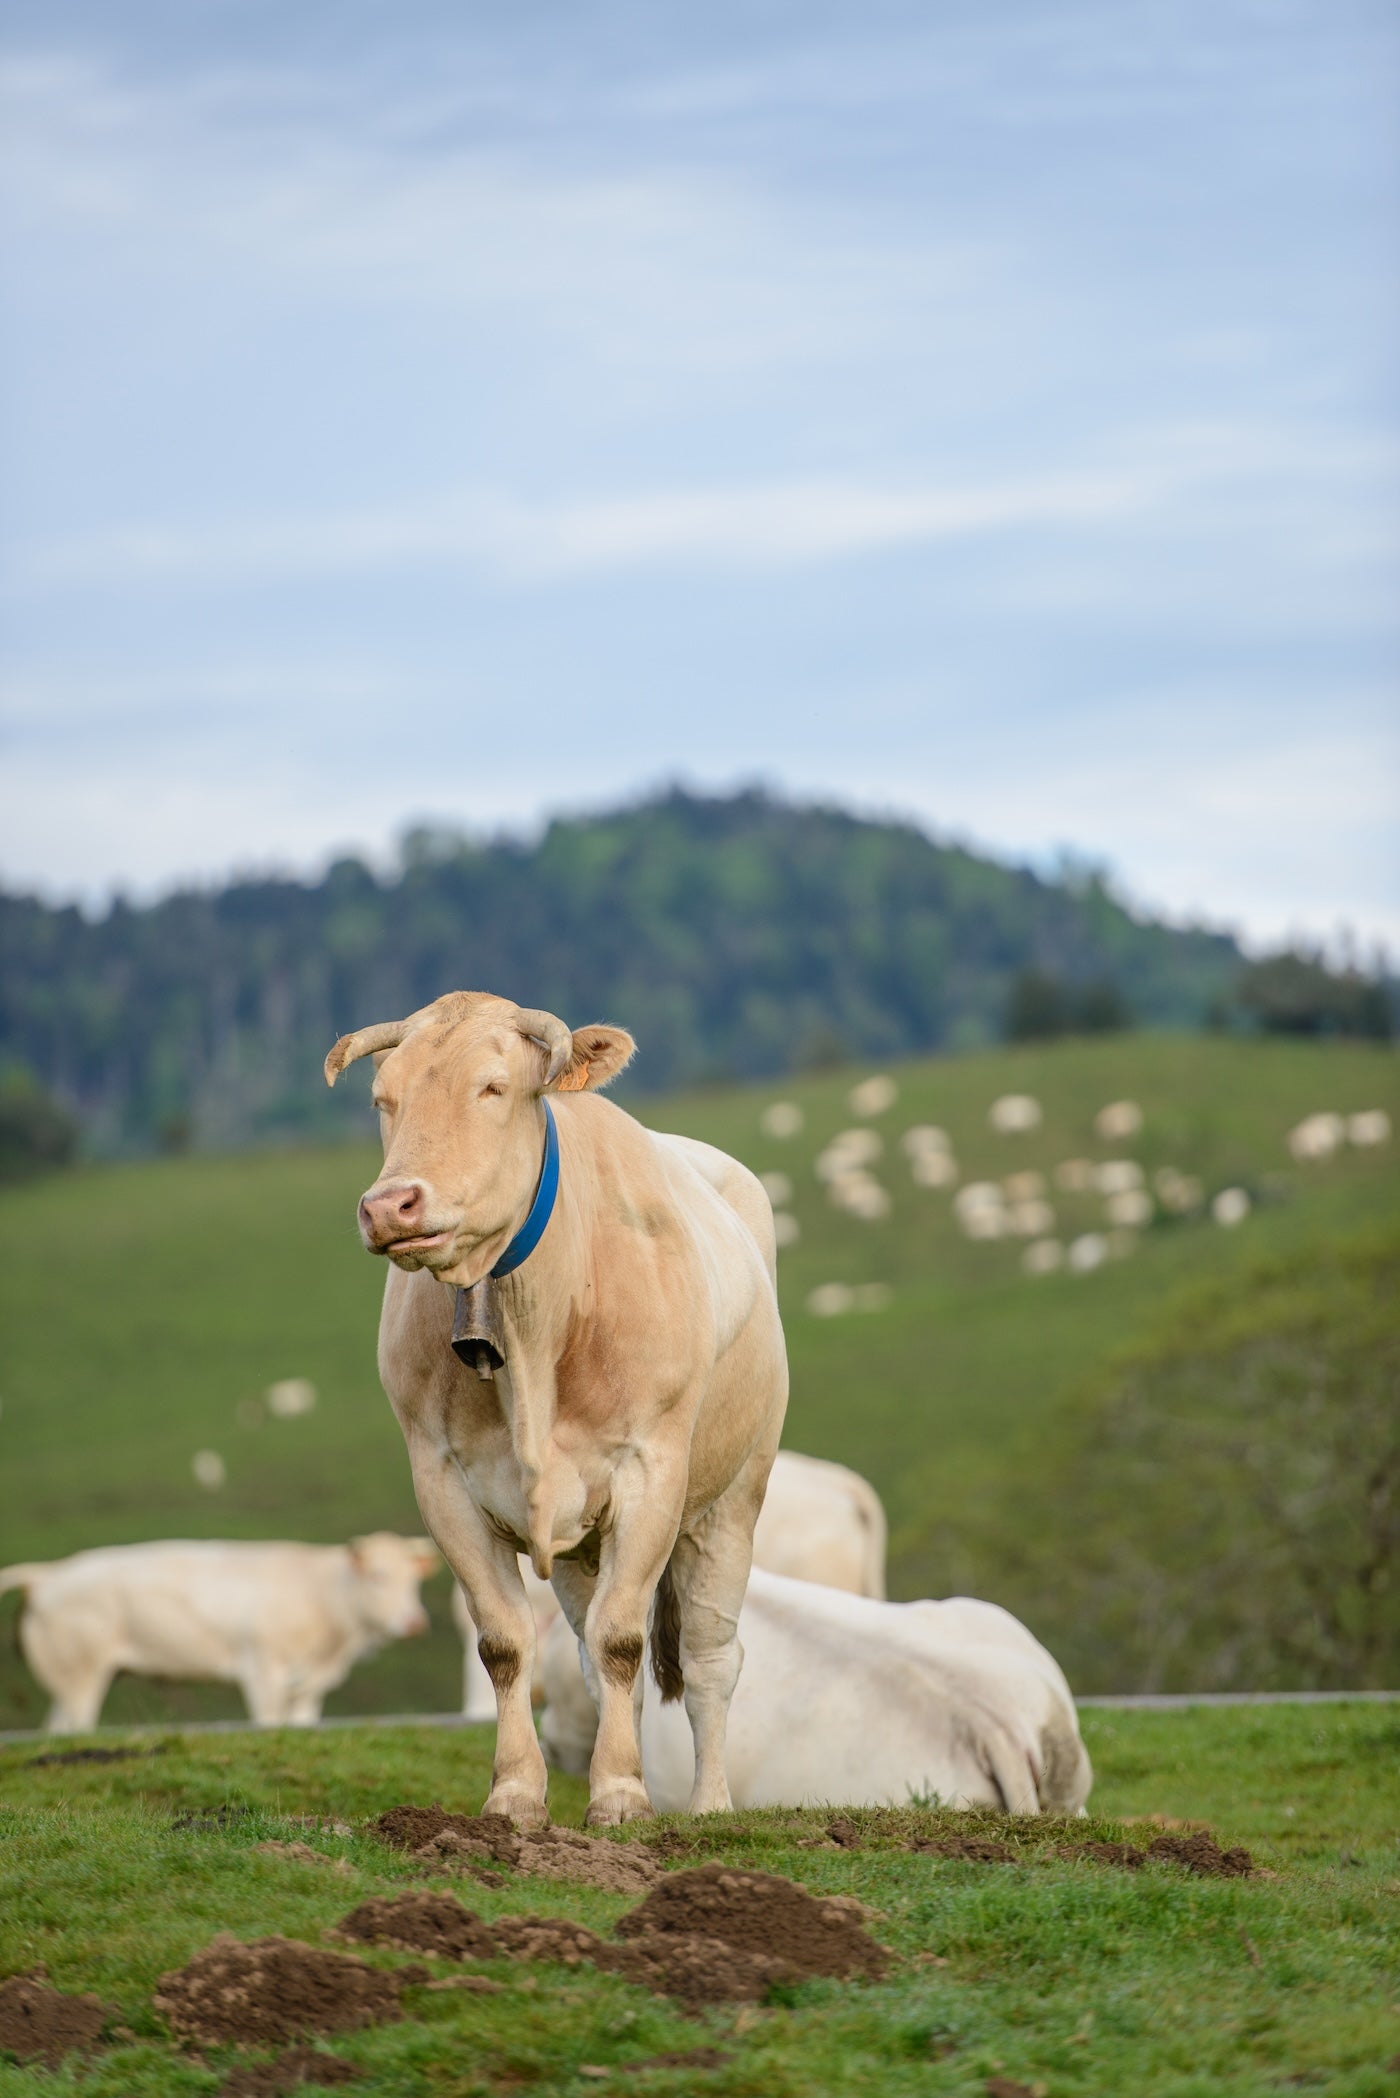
point(146, 1308)
point(736, 937)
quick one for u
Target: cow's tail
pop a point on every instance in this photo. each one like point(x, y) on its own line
point(666, 1639)
point(22, 1576)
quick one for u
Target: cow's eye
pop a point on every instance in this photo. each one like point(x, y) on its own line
point(492, 1091)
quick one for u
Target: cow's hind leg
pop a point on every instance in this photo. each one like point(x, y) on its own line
point(710, 1572)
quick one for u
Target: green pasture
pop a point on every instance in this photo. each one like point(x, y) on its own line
point(146, 1308)
point(1059, 1975)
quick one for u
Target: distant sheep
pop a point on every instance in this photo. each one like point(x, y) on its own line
point(1120, 1119)
point(209, 1470)
point(1230, 1207)
point(1023, 1187)
point(1317, 1137)
point(1031, 1219)
point(849, 1149)
point(289, 1397)
point(1371, 1126)
point(933, 1169)
point(1043, 1257)
point(1087, 1252)
point(786, 1229)
point(1075, 1176)
point(777, 1187)
point(1014, 1113)
point(1176, 1191)
point(924, 1137)
point(1117, 1175)
point(1132, 1208)
point(873, 1096)
point(783, 1119)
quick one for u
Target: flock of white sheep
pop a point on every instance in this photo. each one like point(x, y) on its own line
point(1021, 1204)
point(1018, 1206)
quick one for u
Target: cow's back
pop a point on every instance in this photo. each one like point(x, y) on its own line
point(177, 1606)
point(821, 1522)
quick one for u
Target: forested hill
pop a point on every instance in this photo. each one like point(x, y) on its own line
point(736, 937)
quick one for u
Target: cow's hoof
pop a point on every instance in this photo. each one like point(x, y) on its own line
point(522, 1808)
point(623, 1803)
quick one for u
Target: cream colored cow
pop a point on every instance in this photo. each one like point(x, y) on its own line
point(845, 1701)
point(619, 1393)
point(285, 1622)
point(819, 1522)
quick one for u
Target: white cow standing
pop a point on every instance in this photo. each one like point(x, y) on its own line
point(285, 1622)
point(847, 1701)
point(819, 1522)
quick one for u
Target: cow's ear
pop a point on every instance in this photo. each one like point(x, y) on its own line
point(356, 1549)
point(599, 1054)
point(426, 1556)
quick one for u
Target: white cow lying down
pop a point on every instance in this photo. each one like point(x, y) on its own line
point(819, 1522)
point(286, 1622)
point(844, 1701)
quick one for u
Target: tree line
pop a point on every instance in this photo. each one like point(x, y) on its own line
point(739, 937)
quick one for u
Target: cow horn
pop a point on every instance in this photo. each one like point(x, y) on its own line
point(386, 1034)
point(553, 1037)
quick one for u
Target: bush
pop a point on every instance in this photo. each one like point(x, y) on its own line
point(1225, 1513)
point(1297, 994)
point(36, 1134)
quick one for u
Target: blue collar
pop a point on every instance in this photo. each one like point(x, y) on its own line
point(541, 1209)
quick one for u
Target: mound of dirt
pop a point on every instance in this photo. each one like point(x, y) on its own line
point(420, 1923)
point(1199, 1853)
point(763, 1916)
point(977, 1850)
point(696, 1970)
point(275, 1989)
point(37, 2021)
point(475, 1835)
point(1202, 1854)
point(293, 2066)
point(1125, 1855)
point(440, 1838)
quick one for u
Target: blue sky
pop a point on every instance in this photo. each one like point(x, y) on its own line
point(985, 412)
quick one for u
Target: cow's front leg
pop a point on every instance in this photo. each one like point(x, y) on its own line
point(487, 1567)
point(633, 1558)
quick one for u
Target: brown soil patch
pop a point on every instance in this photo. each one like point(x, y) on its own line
point(420, 1923)
point(58, 1756)
point(36, 2020)
point(478, 1835)
point(275, 1989)
point(1202, 1854)
point(445, 1840)
point(1126, 1855)
point(707, 1936)
point(295, 2065)
point(761, 1915)
point(1199, 1853)
point(977, 1850)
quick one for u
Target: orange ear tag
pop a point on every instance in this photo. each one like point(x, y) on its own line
point(574, 1079)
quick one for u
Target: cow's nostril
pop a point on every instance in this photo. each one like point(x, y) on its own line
point(409, 1203)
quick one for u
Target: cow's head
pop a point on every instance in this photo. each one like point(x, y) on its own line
point(387, 1570)
point(458, 1087)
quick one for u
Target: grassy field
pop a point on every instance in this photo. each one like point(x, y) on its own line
point(1062, 1976)
point(145, 1309)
